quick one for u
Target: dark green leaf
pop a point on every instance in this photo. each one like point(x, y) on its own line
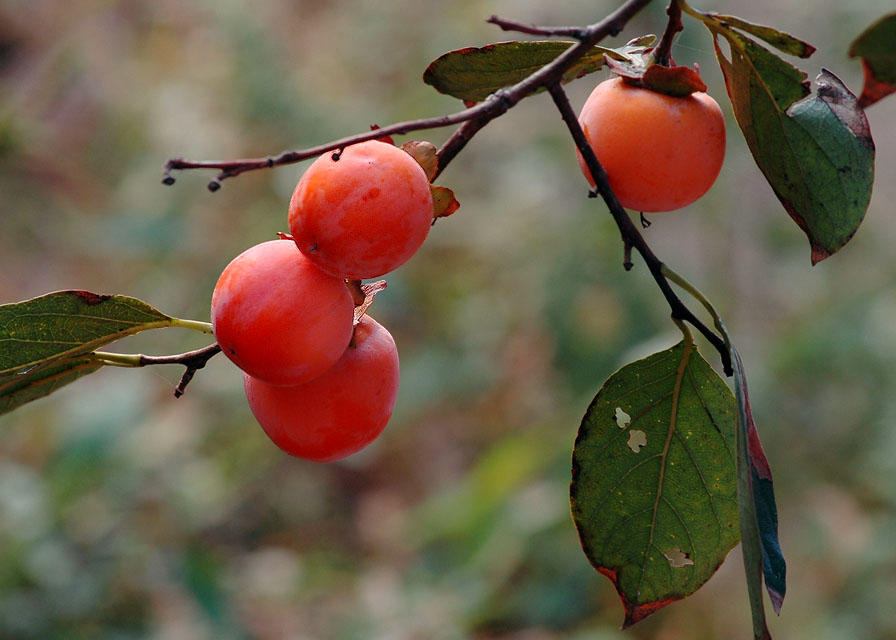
point(876, 46)
point(758, 557)
point(654, 492)
point(18, 388)
point(474, 73)
point(816, 153)
point(778, 39)
point(66, 324)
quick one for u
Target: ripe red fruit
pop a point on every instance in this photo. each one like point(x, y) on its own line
point(278, 317)
point(363, 215)
point(660, 152)
point(339, 412)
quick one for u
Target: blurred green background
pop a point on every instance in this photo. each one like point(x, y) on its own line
point(125, 513)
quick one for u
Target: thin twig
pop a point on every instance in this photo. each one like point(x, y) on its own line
point(530, 29)
point(663, 53)
point(193, 361)
point(232, 168)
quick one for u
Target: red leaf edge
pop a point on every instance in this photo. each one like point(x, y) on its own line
point(634, 613)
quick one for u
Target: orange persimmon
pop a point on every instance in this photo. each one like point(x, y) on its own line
point(660, 152)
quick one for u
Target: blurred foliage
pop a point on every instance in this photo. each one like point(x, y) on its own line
point(125, 513)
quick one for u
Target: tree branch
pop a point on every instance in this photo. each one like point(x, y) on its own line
point(631, 237)
point(472, 119)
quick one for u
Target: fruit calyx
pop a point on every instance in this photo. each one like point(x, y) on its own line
point(671, 81)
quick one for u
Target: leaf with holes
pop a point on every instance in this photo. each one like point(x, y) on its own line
point(875, 46)
point(654, 488)
point(474, 73)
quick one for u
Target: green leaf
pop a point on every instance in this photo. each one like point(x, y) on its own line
point(47, 342)
point(876, 46)
point(816, 153)
point(66, 324)
point(18, 388)
point(778, 39)
point(654, 490)
point(474, 73)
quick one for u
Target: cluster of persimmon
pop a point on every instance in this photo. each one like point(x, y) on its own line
point(320, 375)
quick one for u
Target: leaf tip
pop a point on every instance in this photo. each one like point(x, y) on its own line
point(634, 613)
point(776, 598)
point(818, 255)
point(874, 89)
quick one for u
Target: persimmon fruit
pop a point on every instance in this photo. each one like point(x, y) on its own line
point(660, 152)
point(278, 317)
point(339, 412)
point(363, 214)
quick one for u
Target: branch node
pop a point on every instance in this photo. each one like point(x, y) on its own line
point(184, 381)
point(504, 101)
point(194, 361)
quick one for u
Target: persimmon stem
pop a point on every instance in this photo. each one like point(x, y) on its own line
point(663, 53)
point(354, 288)
point(193, 361)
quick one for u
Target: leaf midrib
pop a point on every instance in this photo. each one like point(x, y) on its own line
point(664, 455)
